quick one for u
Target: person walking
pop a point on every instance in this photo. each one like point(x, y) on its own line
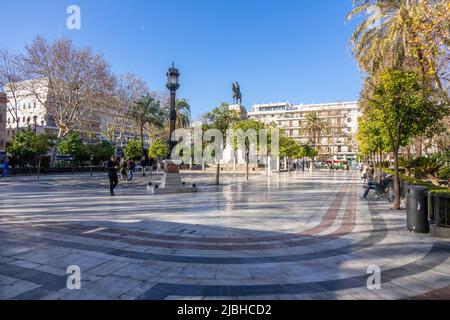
point(364, 171)
point(123, 170)
point(131, 166)
point(151, 165)
point(112, 168)
point(5, 168)
point(144, 164)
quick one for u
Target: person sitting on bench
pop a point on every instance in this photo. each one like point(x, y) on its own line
point(372, 184)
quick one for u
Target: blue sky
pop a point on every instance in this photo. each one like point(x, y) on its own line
point(279, 50)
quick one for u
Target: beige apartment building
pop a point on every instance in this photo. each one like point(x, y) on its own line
point(341, 119)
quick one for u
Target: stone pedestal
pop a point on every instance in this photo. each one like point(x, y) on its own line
point(171, 181)
point(439, 232)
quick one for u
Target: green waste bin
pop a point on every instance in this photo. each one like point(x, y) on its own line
point(417, 209)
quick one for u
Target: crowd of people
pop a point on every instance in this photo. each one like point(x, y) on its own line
point(122, 169)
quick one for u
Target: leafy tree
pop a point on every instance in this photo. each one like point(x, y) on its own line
point(147, 112)
point(133, 150)
point(28, 145)
point(78, 81)
point(315, 126)
point(183, 109)
point(246, 125)
point(221, 118)
point(401, 109)
point(158, 150)
point(102, 151)
point(309, 151)
point(21, 147)
point(290, 148)
point(427, 167)
point(410, 34)
point(370, 138)
point(73, 145)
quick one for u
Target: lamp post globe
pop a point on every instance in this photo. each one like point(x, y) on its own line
point(173, 84)
point(173, 78)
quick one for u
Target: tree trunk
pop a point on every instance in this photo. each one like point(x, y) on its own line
point(247, 164)
point(39, 167)
point(142, 140)
point(218, 174)
point(55, 148)
point(278, 164)
point(381, 160)
point(396, 181)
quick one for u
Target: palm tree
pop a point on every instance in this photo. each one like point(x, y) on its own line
point(147, 112)
point(315, 126)
point(393, 34)
point(183, 114)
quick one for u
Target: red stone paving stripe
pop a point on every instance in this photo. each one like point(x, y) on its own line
point(349, 221)
point(328, 219)
point(440, 294)
point(347, 226)
point(326, 222)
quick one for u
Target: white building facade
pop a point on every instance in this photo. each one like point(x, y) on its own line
point(341, 120)
point(26, 111)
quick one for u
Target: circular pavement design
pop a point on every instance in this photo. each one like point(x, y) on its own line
point(301, 237)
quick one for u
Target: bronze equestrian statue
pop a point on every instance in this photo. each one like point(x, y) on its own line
point(237, 95)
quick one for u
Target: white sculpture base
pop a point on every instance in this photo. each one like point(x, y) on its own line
point(171, 181)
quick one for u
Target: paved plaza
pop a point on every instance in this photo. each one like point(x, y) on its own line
point(297, 236)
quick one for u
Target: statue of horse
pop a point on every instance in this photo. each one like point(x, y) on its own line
point(237, 95)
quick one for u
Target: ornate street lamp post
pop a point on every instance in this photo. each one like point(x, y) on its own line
point(171, 181)
point(173, 84)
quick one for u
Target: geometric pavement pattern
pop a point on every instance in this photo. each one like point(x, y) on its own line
point(296, 236)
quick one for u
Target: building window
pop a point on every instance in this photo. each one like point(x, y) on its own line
point(349, 120)
point(339, 149)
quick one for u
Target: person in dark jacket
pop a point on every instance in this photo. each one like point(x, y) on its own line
point(112, 167)
point(5, 168)
point(151, 165)
point(144, 164)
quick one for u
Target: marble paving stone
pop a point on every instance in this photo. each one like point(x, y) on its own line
point(110, 287)
point(296, 236)
point(14, 289)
